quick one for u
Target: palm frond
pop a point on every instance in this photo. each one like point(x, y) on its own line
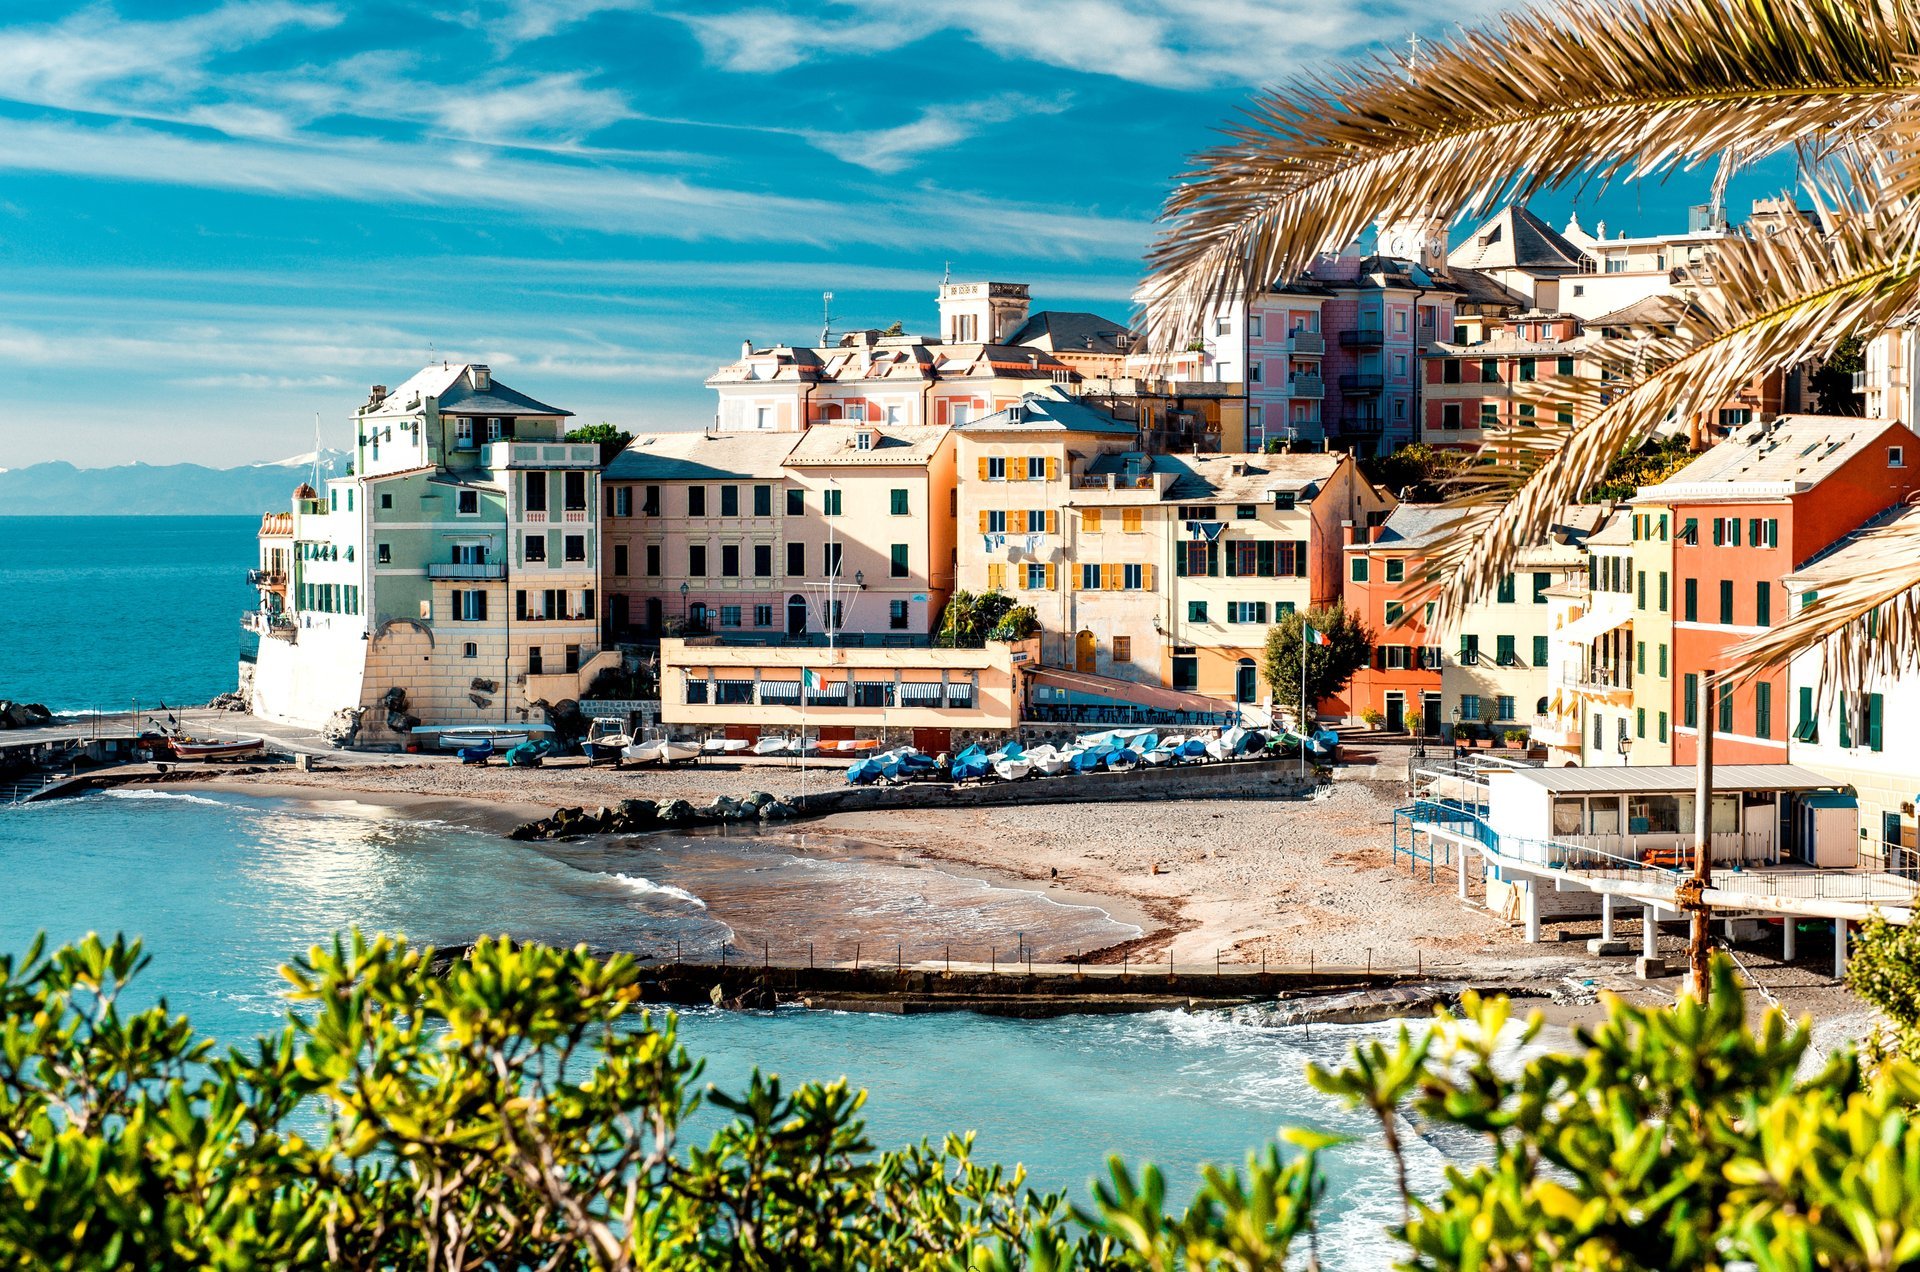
point(1782, 298)
point(1864, 622)
point(1588, 89)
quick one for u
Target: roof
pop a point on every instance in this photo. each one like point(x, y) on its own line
point(453, 384)
point(1231, 478)
point(1659, 778)
point(1412, 526)
point(1072, 331)
point(865, 356)
point(1790, 455)
point(1847, 556)
point(702, 456)
point(1483, 289)
point(1051, 412)
point(1517, 239)
point(888, 444)
point(1133, 691)
point(1616, 531)
point(1658, 310)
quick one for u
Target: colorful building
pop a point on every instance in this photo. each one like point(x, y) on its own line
point(452, 579)
point(1388, 582)
point(1744, 514)
point(1652, 534)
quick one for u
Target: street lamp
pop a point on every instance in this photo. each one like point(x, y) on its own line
point(683, 605)
point(860, 580)
point(1624, 742)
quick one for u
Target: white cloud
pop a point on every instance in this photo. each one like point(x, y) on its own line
point(898, 147)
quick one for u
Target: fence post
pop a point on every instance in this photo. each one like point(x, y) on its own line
point(898, 959)
point(766, 956)
point(856, 956)
point(809, 955)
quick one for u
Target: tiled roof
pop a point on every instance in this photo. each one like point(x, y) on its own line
point(1243, 478)
point(1412, 526)
point(1482, 289)
point(889, 359)
point(889, 444)
point(1799, 451)
point(1051, 412)
point(1517, 239)
point(1072, 331)
point(1847, 556)
point(1648, 311)
point(703, 456)
point(452, 384)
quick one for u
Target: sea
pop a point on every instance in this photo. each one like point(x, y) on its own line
point(224, 889)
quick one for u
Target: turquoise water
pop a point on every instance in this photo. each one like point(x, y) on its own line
point(103, 610)
point(225, 888)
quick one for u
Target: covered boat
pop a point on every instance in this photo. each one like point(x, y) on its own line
point(1047, 760)
point(217, 749)
point(970, 763)
point(676, 750)
point(645, 751)
point(724, 746)
point(1120, 759)
point(773, 745)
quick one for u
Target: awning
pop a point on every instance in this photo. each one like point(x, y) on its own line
point(1589, 628)
point(1114, 689)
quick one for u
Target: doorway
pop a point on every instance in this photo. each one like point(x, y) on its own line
point(656, 618)
point(1430, 714)
point(796, 616)
point(1083, 652)
point(1246, 682)
point(1396, 712)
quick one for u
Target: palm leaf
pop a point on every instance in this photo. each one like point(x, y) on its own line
point(1588, 89)
point(1782, 298)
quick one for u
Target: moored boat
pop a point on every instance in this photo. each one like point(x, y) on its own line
point(1047, 760)
point(645, 751)
point(773, 746)
point(504, 737)
point(217, 748)
point(605, 740)
point(675, 750)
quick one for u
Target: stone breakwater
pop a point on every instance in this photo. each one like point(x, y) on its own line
point(1231, 780)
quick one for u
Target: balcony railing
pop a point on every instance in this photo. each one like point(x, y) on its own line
point(467, 569)
point(541, 455)
point(261, 623)
point(1362, 384)
point(1363, 338)
point(1306, 386)
point(1362, 425)
point(1307, 343)
point(267, 578)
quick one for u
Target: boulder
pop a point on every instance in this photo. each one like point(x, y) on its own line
point(676, 812)
point(639, 814)
point(540, 829)
point(757, 800)
point(342, 727)
point(778, 811)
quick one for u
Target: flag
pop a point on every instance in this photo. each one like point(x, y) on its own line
point(1312, 636)
point(808, 680)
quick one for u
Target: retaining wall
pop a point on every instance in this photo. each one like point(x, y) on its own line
point(1243, 779)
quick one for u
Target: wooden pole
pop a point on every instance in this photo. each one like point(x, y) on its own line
point(1702, 913)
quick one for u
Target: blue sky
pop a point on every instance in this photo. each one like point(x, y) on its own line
point(219, 219)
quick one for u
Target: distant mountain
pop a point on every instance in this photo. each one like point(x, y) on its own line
point(164, 490)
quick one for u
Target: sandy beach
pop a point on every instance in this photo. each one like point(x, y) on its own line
point(1240, 880)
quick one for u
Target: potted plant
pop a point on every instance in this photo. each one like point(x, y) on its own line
point(1517, 737)
point(1372, 719)
point(1416, 723)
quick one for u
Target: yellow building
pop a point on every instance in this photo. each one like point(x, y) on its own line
point(1651, 531)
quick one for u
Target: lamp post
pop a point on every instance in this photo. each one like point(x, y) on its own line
point(1624, 742)
point(683, 606)
point(1455, 735)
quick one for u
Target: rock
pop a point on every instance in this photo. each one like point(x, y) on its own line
point(540, 829)
point(757, 800)
point(23, 715)
point(228, 702)
point(778, 811)
point(342, 727)
point(676, 812)
point(1645, 968)
point(639, 814)
point(1609, 949)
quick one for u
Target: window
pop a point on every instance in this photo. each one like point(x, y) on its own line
point(729, 616)
point(1871, 706)
point(1726, 602)
point(730, 562)
point(1503, 652)
point(1396, 611)
point(468, 503)
point(1359, 569)
point(536, 667)
point(1640, 591)
point(536, 548)
point(830, 557)
point(1896, 458)
point(899, 556)
point(383, 553)
point(1639, 722)
point(576, 491)
point(762, 560)
point(763, 616)
point(830, 502)
point(1690, 701)
point(1089, 577)
point(1196, 611)
point(796, 503)
point(897, 503)
point(1130, 520)
point(619, 558)
point(386, 499)
point(1505, 592)
point(1526, 369)
point(1807, 728)
point(796, 559)
point(996, 468)
point(1690, 604)
point(576, 547)
point(1469, 706)
point(1489, 370)
point(1036, 576)
point(1663, 662)
point(1396, 657)
point(1450, 414)
point(1726, 708)
point(1539, 651)
point(697, 560)
point(1640, 658)
point(1246, 611)
point(1763, 710)
point(1123, 649)
point(1396, 570)
point(1503, 707)
point(1489, 415)
point(897, 616)
point(470, 650)
point(1036, 468)
point(1564, 366)
point(1133, 577)
point(1663, 591)
point(653, 560)
point(696, 501)
point(470, 607)
point(1663, 727)
point(463, 434)
point(1689, 532)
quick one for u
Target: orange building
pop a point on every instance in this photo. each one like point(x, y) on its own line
point(1385, 569)
point(1745, 515)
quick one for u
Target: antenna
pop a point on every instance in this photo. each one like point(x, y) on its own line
point(947, 275)
point(826, 319)
point(1413, 54)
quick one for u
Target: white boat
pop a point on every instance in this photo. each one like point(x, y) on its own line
point(1162, 754)
point(1120, 759)
point(1227, 744)
point(806, 746)
point(675, 751)
point(773, 746)
point(503, 739)
point(217, 748)
point(1013, 768)
point(646, 751)
point(606, 740)
point(1048, 760)
point(724, 746)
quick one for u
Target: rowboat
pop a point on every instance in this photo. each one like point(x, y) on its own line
point(504, 738)
point(1048, 760)
point(724, 746)
point(217, 749)
point(1013, 767)
point(773, 746)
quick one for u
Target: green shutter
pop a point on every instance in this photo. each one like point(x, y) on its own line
point(1846, 726)
point(1690, 705)
point(1763, 710)
point(1539, 651)
point(1874, 702)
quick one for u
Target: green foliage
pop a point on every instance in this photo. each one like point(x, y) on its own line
point(517, 1109)
point(972, 618)
point(1832, 381)
point(1018, 623)
point(1883, 967)
point(1417, 473)
point(1650, 465)
point(1329, 666)
point(611, 440)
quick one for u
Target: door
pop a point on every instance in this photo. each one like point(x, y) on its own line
point(656, 618)
point(1083, 652)
point(932, 741)
point(618, 618)
point(1186, 672)
point(1396, 712)
point(1246, 681)
point(796, 616)
point(1430, 714)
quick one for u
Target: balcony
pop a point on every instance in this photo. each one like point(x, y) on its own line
point(1363, 338)
point(1362, 384)
point(541, 455)
point(467, 569)
point(1362, 425)
point(1307, 344)
point(267, 578)
point(1554, 731)
point(262, 623)
point(1306, 386)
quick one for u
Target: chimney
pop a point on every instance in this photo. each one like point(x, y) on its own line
point(376, 396)
point(746, 350)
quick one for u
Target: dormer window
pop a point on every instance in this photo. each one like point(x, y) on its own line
point(1896, 457)
point(862, 440)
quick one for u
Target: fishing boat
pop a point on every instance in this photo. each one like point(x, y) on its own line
point(773, 746)
point(605, 740)
point(1047, 760)
point(676, 751)
point(1010, 762)
point(724, 746)
point(645, 751)
point(1121, 759)
point(969, 764)
point(217, 749)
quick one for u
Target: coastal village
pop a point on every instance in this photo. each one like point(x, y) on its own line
point(783, 578)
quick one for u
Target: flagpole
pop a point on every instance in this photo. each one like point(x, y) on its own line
point(1302, 720)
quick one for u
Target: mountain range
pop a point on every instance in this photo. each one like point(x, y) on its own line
point(59, 489)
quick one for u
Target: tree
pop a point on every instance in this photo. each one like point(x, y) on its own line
point(1832, 380)
point(1883, 967)
point(1555, 95)
point(611, 440)
point(1330, 666)
point(972, 618)
point(1418, 473)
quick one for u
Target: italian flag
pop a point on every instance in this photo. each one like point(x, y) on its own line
point(808, 680)
point(1313, 636)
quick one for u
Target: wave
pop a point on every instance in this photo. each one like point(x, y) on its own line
point(648, 888)
point(178, 796)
